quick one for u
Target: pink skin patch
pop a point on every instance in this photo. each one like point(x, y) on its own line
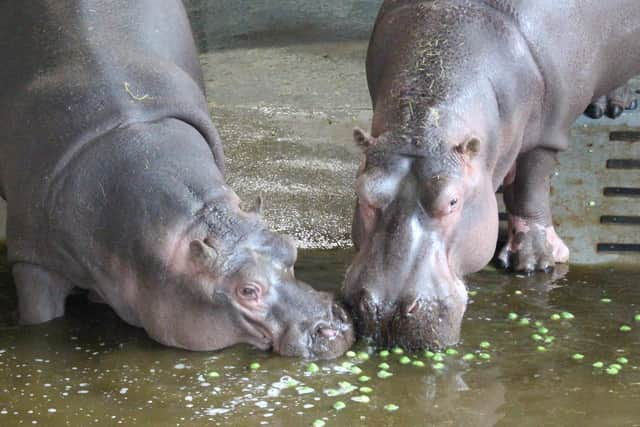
point(516, 225)
point(560, 250)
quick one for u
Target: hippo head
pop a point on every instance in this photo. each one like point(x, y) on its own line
point(426, 215)
point(232, 281)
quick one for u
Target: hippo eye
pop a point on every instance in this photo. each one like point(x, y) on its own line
point(453, 202)
point(249, 292)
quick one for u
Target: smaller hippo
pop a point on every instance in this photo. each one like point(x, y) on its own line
point(113, 175)
point(468, 96)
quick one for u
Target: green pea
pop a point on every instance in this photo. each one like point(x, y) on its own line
point(625, 328)
point(577, 356)
point(405, 360)
point(384, 374)
point(468, 357)
point(438, 357)
point(524, 321)
point(397, 350)
point(451, 352)
point(567, 315)
point(543, 330)
point(536, 337)
point(485, 344)
point(612, 371)
point(319, 423)
point(366, 390)
point(541, 348)
point(555, 316)
point(384, 353)
point(363, 356)
point(438, 366)
point(390, 407)
point(622, 360)
point(364, 378)
point(384, 365)
point(355, 370)
point(484, 356)
point(605, 300)
point(512, 316)
point(350, 353)
point(598, 365)
point(418, 363)
point(213, 374)
point(361, 399)
point(312, 368)
point(428, 354)
point(339, 405)
point(254, 366)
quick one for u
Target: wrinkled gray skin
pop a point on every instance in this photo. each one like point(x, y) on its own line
point(113, 174)
point(467, 96)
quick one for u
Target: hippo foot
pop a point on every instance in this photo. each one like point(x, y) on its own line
point(614, 104)
point(532, 246)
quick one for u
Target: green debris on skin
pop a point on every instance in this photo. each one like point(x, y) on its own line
point(384, 374)
point(254, 366)
point(566, 315)
point(625, 328)
point(390, 407)
point(213, 374)
point(319, 423)
point(577, 356)
point(404, 360)
point(384, 366)
point(361, 399)
point(512, 316)
point(468, 357)
point(312, 368)
point(339, 405)
point(350, 353)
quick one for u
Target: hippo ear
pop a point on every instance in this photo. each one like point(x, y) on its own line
point(203, 254)
point(257, 208)
point(362, 138)
point(470, 148)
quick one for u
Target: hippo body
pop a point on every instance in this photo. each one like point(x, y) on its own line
point(113, 175)
point(469, 95)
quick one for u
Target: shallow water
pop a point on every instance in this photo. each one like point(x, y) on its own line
point(91, 368)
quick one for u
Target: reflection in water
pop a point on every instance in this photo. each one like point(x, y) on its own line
point(91, 368)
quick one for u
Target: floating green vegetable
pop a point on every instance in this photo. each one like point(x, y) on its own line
point(319, 423)
point(364, 378)
point(549, 339)
point(304, 390)
point(637, 317)
point(485, 344)
point(512, 316)
point(366, 390)
point(541, 348)
point(567, 315)
point(355, 370)
point(622, 360)
point(405, 360)
point(484, 356)
point(361, 399)
point(350, 353)
point(418, 363)
point(347, 365)
point(332, 392)
point(536, 337)
point(438, 366)
point(390, 407)
point(577, 356)
point(612, 371)
point(339, 405)
point(384, 353)
point(451, 352)
point(363, 356)
point(254, 366)
point(438, 357)
point(384, 374)
point(524, 321)
point(397, 350)
point(213, 374)
point(468, 357)
point(312, 368)
point(605, 300)
point(543, 330)
point(384, 365)
point(428, 354)
point(598, 365)
point(625, 328)
point(555, 316)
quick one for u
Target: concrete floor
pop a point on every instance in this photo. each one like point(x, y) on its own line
point(286, 115)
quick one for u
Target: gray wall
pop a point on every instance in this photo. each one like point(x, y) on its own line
point(231, 23)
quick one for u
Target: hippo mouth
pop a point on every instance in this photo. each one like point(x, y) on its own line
point(263, 338)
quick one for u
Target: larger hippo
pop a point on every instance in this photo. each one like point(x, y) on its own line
point(469, 95)
point(113, 175)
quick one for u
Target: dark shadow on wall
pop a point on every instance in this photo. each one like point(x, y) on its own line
point(221, 24)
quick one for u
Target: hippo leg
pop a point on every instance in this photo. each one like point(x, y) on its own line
point(41, 293)
point(623, 98)
point(533, 243)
